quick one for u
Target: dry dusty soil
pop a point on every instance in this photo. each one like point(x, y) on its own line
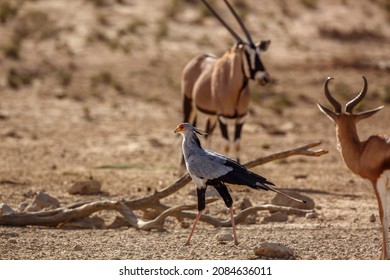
point(91, 89)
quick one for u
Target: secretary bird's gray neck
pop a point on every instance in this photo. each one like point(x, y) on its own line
point(190, 144)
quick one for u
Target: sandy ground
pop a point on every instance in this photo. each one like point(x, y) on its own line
point(98, 99)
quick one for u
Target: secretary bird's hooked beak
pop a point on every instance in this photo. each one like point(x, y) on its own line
point(181, 128)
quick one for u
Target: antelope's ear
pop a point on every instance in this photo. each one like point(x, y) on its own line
point(367, 114)
point(329, 113)
point(239, 46)
point(263, 45)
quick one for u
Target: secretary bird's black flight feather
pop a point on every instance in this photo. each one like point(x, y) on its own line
point(208, 168)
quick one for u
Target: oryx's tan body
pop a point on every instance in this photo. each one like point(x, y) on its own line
point(217, 86)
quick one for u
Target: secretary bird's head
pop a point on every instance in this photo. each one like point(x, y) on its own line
point(184, 128)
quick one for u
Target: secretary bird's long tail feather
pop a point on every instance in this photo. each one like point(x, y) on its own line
point(286, 195)
point(242, 176)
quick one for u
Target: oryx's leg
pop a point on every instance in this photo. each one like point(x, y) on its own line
point(189, 113)
point(189, 116)
point(237, 136)
point(210, 126)
point(223, 124)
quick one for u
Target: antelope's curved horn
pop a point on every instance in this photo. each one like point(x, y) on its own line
point(334, 102)
point(241, 23)
point(234, 34)
point(351, 104)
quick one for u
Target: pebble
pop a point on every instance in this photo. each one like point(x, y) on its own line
point(245, 203)
point(5, 209)
point(85, 187)
point(41, 201)
point(372, 218)
point(311, 215)
point(77, 248)
point(273, 250)
point(224, 236)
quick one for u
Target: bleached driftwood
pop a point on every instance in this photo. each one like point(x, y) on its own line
point(126, 208)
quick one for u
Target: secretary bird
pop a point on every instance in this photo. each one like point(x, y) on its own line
point(208, 168)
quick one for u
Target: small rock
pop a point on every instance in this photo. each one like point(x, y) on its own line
point(4, 116)
point(184, 224)
point(224, 236)
point(281, 200)
point(245, 203)
point(301, 176)
point(5, 209)
point(276, 217)
point(372, 218)
point(250, 220)
point(311, 215)
point(42, 201)
point(87, 222)
point(77, 248)
point(85, 187)
point(274, 250)
point(12, 134)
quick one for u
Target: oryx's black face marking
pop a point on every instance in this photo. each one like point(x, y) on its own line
point(253, 66)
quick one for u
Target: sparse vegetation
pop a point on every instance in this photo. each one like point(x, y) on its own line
point(174, 8)
point(355, 34)
point(162, 30)
point(17, 78)
point(99, 3)
point(242, 8)
point(281, 101)
point(12, 50)
point(102, 18)
point(114, 43)
point(105, 78)
point(7, 12)
point(310, 4)
point(132, 27)
point(64, 77)
point(386, 94)
point(35, 24)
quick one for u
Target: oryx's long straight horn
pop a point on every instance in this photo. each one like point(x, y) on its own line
point(241, 23)
point(334, 102)
point(351, 104)
point(234, 34)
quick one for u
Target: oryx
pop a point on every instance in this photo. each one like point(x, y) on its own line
point(218, 86)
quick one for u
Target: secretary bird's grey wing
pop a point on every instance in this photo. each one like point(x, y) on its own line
point(206, 165)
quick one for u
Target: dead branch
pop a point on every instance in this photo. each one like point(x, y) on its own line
point(301, 151)
point(179, 212)
point(60, 215)
point(81, 210)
